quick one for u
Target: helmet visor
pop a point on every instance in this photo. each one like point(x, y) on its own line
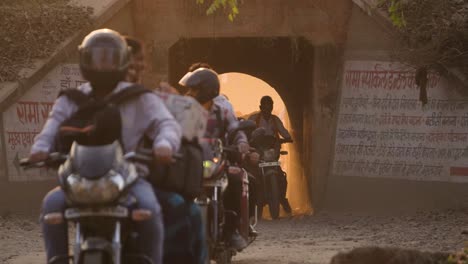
point(103, 59)
point(184, 81)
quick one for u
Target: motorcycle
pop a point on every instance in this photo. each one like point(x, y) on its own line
point(269, 188)
point(218, 164)
point(95, 180)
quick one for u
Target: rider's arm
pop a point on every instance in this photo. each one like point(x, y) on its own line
point(163, 128)
point(281, 129)
point(232, 123)
point(62, 109)
point(253, 117)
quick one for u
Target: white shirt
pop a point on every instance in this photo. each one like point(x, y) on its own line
point(146, 115)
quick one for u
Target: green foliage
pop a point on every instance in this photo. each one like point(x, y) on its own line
point(459, 258)
point(432, 34)
point(396, 13)
point(230, 5)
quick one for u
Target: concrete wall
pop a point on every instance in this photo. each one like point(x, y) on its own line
point(369, 42)
point(318, 21)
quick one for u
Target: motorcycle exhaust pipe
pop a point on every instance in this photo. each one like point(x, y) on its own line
point(254, 224)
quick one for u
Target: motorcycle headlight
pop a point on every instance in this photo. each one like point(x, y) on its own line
point(208, 168)
point(103, 190)
point(269, 155)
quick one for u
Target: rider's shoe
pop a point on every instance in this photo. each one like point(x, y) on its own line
point(286, 206)
point(237, 241)
point(252, 231)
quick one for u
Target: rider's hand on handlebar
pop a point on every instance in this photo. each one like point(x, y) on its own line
point(253, 158)
point(38, 157)
point(163, 154)
point(243, 147)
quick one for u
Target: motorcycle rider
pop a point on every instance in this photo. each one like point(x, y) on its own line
point(203, 84)
point(272, 125)
point(104, 60)
point(137, 62)
point(184, 234)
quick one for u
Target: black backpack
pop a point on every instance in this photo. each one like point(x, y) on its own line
point(97, 121)
point(185, 175)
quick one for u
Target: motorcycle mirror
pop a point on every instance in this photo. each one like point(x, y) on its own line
point(283, 153)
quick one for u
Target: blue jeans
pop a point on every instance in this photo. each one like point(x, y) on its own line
point(151, 232)
point(184, 237)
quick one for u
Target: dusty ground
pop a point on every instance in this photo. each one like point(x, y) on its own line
point(306, 239)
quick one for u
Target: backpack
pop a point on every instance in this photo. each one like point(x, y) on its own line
point(185, 175)
point(97, 121)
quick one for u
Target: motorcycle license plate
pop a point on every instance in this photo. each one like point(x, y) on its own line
point(269, 164)
point(117, 211)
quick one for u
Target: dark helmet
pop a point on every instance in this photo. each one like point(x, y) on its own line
point(104, 57)
point(204, 80)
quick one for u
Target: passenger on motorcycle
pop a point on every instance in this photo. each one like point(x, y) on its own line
point(104, 60)
point(137, 61)
point(184, 234)
point(272, 125)
point(203, 84)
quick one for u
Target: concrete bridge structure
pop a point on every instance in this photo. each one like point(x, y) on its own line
point(299, 47)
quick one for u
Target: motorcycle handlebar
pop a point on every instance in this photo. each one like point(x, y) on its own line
point(231, 149)
point(146, 155)
point(53, 159)
point(288, 140)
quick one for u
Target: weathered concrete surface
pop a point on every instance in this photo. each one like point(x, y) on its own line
point(369, 41)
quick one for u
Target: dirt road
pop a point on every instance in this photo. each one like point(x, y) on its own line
point(306, 239)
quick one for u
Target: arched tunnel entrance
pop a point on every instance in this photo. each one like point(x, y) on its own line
point(284, 63)
point(236, 86)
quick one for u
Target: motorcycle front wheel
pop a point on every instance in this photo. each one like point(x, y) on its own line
point(95, 257)
point(223, 257)
point(273, 190)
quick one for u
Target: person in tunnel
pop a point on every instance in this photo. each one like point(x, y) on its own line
point(203, 84)
point(184, 239)
point(272, 125)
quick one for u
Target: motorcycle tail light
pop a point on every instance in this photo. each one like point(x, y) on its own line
point(141, 215)
point(53, 218)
